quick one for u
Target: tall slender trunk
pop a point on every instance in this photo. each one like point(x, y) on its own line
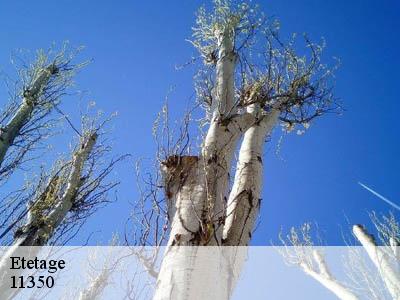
point(39, 229)
point(220, 141)
point(244, 200)
point(199, 195)
point(10, 132)
point(197, 188)
point(381, 260)
point(325, 278)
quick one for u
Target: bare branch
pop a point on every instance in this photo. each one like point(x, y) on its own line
point(25, 121)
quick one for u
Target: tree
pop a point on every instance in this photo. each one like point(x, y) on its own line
point(249, 82)
point(381, 282)
point(35, 94)
point(52, 208)
point(246, 93)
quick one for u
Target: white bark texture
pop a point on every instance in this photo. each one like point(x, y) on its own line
point(244, 200)
point(197, 186)
point(222, 136)
point(394, 245)
point(38, 228)
point(324, 277)
point(24, 113)
point(185, 192)
point(381, 260)
point(96, 286)
point(199, 273)
point(38, 232)
point(197, 190)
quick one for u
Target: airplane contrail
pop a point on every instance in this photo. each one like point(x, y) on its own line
point(380, 196)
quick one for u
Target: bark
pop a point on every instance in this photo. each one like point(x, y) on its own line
point(38, 229)
point(10, 132)
point(184, 190)
point(38, 232)
point(191, 272)
point(394, 245)
point(244, 200)
point(196, 188)
point(381, 260)
point(96, 287)
point(326, 279)
point(198, 273)
point(220, 141)
point(225, 73)
point(197, 199)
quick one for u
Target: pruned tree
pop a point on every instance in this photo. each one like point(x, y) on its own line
point(379, 281)
point(29, 119)
point(385, 259)
point(53, 205)
point(250, 81)
point(64, 198)
point(299, 249)
point(26, 120)
point(100, 271)
point(247, 99)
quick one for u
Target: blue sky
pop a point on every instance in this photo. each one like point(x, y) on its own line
point(135, 46)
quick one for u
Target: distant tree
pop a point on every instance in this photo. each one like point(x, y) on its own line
point(362, 282)
point(26, 120)
point(52, 206)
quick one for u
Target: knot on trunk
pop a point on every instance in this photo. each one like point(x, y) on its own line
point(176, 170)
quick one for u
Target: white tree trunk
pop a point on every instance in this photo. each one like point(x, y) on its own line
point(36, 232)
point(394, 245)
point(198, 273)
point(38, 235)
point(57, 215)
point(197, 188)
point(220, 141)
point(326, 279)
point(185, 192)
point(244, 200)
point(24, 113)
point(381, 260)
point(96, 286)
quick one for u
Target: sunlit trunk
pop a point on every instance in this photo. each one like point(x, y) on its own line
point(381, 260)
point(39, 229)
point(244, 200)
point(24, 113)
